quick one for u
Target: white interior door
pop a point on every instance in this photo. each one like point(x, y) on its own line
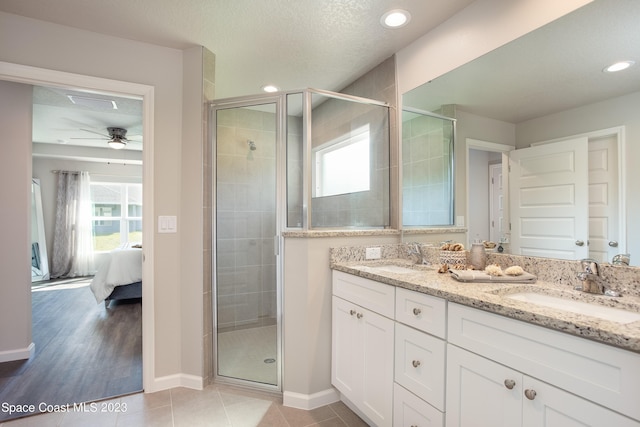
point(603, 198)
point(496, 203)
point(549, 200)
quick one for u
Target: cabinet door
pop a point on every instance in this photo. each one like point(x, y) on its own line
point(481, 392)
point(420, 364)
point(377, 363)
point(552, 407)
point(409, 410)
point(346, 370)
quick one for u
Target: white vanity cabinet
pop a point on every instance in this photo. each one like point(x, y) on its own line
point(510, 373)
point(362, 345)
point(419, 359)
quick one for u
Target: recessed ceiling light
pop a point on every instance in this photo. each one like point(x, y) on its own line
point(270, 88)
point(618, 66)
point(395, 18)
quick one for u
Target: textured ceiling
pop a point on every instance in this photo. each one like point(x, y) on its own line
point(292, 44)
point(324, 44)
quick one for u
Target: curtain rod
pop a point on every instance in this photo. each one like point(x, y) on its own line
point(61, 171)
point(97, 174)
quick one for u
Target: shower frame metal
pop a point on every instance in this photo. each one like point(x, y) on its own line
point(280, 99)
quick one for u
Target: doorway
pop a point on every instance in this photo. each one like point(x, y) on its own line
point(246, 243)
point(38, 76)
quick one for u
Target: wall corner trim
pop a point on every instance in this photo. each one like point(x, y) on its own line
point(310, 401)
point(18, 354)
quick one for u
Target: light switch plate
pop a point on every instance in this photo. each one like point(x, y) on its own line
point(460, 221)
point(167, 224)
point(373, 253)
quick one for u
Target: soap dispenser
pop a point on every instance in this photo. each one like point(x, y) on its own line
point(477, 255)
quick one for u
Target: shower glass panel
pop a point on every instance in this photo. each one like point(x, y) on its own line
point(245, 261)
point(349, 158)
point(427, 169)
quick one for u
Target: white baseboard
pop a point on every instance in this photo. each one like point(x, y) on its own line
point(176, 380)
point(18, 354)
point(310, 401)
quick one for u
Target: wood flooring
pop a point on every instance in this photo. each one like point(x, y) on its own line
point(83, 351)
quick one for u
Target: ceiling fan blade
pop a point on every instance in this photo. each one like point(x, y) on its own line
point(97, 133)
point(86, 139)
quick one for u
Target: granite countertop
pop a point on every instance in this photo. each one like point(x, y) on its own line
point(492, 297)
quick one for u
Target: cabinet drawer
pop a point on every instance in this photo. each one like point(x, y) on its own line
point(421, 311)
point(595, 371)
point(420, 364)
point(375, 296)
point(409, 410)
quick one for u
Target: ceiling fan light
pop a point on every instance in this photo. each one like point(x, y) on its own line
point(116, 144)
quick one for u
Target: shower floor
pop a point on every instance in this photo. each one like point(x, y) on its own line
point(249, 354)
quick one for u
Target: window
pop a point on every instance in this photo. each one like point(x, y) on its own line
point(117, 215)
point(342, 165)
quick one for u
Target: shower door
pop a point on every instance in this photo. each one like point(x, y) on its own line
point(246, 243)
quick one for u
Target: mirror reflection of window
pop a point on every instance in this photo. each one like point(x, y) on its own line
point(427, 169)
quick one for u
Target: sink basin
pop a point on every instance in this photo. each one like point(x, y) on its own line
point(389, 268)
point(594, 310)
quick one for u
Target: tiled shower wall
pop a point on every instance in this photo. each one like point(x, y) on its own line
point(246, 219)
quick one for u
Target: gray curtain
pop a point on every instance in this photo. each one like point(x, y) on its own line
point(73, 238)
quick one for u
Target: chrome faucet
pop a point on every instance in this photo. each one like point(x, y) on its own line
point(592, 282)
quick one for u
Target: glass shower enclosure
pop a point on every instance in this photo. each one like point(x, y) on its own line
point(275, 169)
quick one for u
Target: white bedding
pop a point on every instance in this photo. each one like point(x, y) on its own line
point(121, 267)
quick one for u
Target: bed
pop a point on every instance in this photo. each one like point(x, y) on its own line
point(119, 277)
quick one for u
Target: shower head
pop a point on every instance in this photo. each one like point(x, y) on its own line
point(252, 145)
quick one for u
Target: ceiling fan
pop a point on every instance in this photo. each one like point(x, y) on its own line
point(116, 139)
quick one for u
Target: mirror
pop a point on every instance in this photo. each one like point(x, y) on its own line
point(547, 86)
point(427, 169)
point(39, 262)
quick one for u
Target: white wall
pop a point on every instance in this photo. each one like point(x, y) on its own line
point(15, 221)
point(54, 47)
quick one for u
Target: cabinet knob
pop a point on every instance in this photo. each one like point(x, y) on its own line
point(416, 311)
point(579, 242)
point(510, 384)
point(613, 244)
point(415, 363)
point(352, 312)
point(359, 315)
point(530, 394)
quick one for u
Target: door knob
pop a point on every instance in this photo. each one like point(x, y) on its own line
point(579, 243)
point(613, 244)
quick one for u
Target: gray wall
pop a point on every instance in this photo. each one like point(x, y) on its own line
point(15, 225)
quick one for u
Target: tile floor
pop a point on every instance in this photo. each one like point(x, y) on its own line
point(216, 405)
